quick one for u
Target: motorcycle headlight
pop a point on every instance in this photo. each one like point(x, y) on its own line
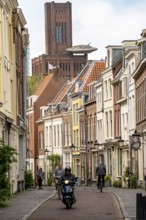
point(66, 181)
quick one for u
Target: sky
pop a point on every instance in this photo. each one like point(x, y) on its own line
point(98, 22)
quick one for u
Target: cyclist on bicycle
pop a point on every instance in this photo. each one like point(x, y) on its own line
point(59, 171)
point(100, 172)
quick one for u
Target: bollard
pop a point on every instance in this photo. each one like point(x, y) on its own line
point(139, 206)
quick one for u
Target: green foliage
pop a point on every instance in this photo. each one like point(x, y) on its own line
point(54, 161)
point(132, 178)
point(127, 172)
point(33, 83)
point(117, 183)
point(28, 179)
point(7, 156)
point(133, 182)
point(50, 179)
point(107, 178)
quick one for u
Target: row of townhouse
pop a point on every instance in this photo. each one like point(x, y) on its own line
point(92, 118)
point(14, 41)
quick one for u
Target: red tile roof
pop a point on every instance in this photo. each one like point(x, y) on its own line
point(94, 75)
point(88, 75)
point(43, 84)
point(63, 92)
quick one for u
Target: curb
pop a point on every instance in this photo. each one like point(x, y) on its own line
point(122, 208)
point(25, 217)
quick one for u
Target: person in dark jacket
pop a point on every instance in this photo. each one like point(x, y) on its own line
point(100, 172)
point(71, 177)
point(40, 177)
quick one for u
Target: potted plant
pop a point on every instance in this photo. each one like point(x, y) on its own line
point(107, 180)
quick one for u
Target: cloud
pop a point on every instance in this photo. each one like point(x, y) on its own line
point(101, 22)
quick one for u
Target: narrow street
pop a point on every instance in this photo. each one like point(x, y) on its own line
point(91, 204)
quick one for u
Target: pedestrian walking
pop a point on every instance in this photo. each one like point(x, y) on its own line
point(40, 177)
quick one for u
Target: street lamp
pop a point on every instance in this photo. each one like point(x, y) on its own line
point(134, 144)
point(46, 151)
point(135, 141)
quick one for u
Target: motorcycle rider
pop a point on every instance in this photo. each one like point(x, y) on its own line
point(69, 176)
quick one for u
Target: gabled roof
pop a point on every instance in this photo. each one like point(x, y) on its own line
point(43, 84)
point(93, 74)
point(70, 86)
point(66, 88)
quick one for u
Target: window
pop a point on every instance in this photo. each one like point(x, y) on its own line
point(41, 140)
point(124, 87)
point(58, 135)
point(50, 136)
point(111, 123)
point(106, 90)
point(47, 136)
point(61, 32)
point(67, 160)
point(110, 88)
point(55, 136)
point(69, 134)
point(58, 33)
point(119, 162)
point(109, 161)
point(107, 129)
point(65, 134)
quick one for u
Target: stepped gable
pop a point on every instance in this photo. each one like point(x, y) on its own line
point(43, 84)
point(95, 74)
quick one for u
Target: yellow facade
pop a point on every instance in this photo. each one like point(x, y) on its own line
point(76, 104)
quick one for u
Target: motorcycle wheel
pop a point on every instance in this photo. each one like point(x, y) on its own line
point(68, 203)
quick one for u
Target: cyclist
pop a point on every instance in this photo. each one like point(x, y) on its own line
point(100, 172)
point(59, 171)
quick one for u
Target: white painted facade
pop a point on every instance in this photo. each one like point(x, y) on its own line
point(53, 136)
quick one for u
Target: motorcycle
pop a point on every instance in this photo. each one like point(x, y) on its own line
point(68, 193)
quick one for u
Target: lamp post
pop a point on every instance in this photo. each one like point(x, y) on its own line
point(134, 144)
point(46, 151)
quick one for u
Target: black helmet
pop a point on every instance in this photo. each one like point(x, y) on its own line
point(67, 169)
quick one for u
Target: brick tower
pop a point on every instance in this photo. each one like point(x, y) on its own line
point(58, 38)
point(58, 27)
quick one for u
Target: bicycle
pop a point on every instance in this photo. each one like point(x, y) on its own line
point(100, 182)
point(58, 188)
point(101, 185)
